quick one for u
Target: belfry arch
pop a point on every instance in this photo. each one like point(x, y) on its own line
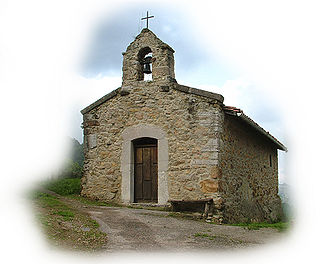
point(130, 136)
point(144, 57)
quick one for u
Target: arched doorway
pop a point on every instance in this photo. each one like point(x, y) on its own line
point(145, 170)
point(131, 137)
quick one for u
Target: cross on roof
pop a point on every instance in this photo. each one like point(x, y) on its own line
point(147, 17)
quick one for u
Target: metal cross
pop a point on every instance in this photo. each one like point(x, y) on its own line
point(147, 17)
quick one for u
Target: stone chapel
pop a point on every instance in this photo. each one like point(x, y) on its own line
point(159, 142)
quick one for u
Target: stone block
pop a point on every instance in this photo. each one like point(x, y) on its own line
point(218, 203)
point(204, 162)
point(212, 145)
point(92, 141)
point(216, 172)
point(125, 90)
point(164, 88)
point(209, 186)
point(91, 123)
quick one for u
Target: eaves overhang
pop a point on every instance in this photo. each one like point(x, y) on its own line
point(239, 114)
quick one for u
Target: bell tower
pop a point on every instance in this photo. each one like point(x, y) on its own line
point(147, 56)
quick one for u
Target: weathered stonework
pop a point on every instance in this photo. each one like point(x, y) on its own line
point(203, 151)
point(127, 160)
point(162, 62)
point(191, 153)
point(249, 165)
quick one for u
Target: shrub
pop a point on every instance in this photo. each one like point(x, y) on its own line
point(64, 186)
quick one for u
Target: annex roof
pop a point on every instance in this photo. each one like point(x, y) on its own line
point(239, 114)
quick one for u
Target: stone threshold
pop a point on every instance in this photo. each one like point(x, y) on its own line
point(149, 205)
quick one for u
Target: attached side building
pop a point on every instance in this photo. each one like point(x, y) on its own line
point(157, 141)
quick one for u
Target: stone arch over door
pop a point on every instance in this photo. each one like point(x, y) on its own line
point(127, 161)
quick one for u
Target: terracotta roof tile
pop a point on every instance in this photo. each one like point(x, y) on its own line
point(239, 113)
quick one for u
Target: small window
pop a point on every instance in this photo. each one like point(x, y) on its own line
point(270, 160)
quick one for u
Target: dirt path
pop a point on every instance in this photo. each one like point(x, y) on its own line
point(141, 230)
point(145, 230)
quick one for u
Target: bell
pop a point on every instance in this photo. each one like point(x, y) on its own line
point(146, 68)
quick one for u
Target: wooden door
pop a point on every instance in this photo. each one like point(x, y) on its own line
point(146, 171)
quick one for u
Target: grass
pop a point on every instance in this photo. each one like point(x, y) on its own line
point(94, 223)
point(48, 201)
point(64, 186)
point(88, 201)
point(219, 237)
point(67, 215)
point(204, 235)
point(71, 188)
point(280, 226)
point(66, 226)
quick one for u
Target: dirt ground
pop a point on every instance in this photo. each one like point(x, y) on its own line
point(145, 230)
point(141, 230)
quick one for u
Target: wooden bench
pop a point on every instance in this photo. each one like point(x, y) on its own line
point(204, 206)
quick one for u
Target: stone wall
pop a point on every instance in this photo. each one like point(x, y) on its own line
point(192, 124)
point(249, 164)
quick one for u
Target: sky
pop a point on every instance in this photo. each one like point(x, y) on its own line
point(57, 57)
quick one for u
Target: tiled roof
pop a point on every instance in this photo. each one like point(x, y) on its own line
point(239, 113)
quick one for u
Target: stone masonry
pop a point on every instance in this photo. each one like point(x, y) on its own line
point(250, 189)
point(204, 149)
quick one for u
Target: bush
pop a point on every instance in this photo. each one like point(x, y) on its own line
point(64, 186)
